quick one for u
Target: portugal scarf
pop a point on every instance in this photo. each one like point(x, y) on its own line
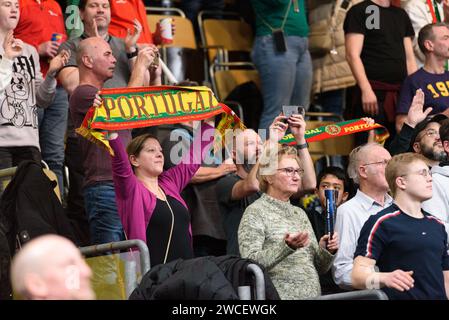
point(127, 108)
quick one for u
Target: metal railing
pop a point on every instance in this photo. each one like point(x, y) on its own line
point(356, 295)
point(121, 245)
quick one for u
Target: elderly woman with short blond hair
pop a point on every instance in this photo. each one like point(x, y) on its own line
point(278, 235)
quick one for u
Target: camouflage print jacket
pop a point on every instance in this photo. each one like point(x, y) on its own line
point(261, 237)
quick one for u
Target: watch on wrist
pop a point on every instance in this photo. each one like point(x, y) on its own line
point(132, 54)
point(302, 146)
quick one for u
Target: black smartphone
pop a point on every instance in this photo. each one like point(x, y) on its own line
point(279, 40)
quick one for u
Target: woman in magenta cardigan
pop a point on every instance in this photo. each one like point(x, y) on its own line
point(148, 199)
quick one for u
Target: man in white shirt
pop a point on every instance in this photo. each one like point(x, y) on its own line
point(367, 168)
point(438, 204)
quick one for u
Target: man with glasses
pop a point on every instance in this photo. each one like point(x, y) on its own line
point(367, 168)
point(406, 244)
point(419, 133)
point(438, 204)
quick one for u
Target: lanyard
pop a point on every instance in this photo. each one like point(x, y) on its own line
point(283, 21)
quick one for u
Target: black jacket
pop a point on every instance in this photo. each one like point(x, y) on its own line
point(204, 278)
point(30, 204)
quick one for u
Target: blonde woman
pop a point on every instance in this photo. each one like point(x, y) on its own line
point(279, 235)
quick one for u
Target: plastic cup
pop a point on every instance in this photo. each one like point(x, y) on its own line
point(166, 30)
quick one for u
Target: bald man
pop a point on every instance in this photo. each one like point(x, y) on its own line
point(96, 64)
point(50, 267)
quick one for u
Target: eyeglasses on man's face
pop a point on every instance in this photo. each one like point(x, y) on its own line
point(431, 133)
point(291, 172)
point(423, 172)
point(383, 162)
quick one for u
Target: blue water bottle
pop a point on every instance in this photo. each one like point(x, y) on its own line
point(331, 209)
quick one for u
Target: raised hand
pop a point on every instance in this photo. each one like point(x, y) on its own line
point(12, 47)
point(58, 62)
point(48, 49)
point(132, 37)
point(278, 128)
point(95, 27)
point(416, 113)
point(146, 56)
point(97, 101)
point(297, 127)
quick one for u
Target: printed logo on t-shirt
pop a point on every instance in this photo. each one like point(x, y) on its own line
point(440, 89)
point(19, 105)
point(52, 13)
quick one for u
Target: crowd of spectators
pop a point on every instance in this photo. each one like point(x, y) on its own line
point(390, 234)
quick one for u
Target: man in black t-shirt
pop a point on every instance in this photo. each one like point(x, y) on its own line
point(379, 50)
point(236, 191)
point(405, 243)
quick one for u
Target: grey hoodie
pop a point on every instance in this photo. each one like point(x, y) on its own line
point(22, 90)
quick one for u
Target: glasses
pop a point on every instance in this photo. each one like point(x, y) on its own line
point(382, 162)
point(424, 172)
point(430, 133)
point(291, 172)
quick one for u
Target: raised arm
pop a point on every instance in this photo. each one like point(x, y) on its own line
point(181, 174)
point(12, 49)
point(46, 88)
point(124, 178)
point(298, 128)
point(247, 186)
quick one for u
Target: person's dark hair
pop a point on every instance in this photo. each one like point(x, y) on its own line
point(426, 33)
point(136, 144)
point(82, 5)
point(444, 130)
point(337, 172)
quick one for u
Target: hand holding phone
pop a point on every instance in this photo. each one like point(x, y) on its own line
point(288, 111)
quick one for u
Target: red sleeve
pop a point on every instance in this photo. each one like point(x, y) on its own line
point(122, 16)
point(38, 22)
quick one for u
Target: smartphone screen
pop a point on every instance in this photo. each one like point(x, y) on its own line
point(289, 110)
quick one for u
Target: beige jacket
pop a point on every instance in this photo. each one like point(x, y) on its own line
point(331, 72)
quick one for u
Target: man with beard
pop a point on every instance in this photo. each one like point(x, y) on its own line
point(235, 192)
point(433, 40)
point(426, 140)
point(438, 204)
point(420, 133)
